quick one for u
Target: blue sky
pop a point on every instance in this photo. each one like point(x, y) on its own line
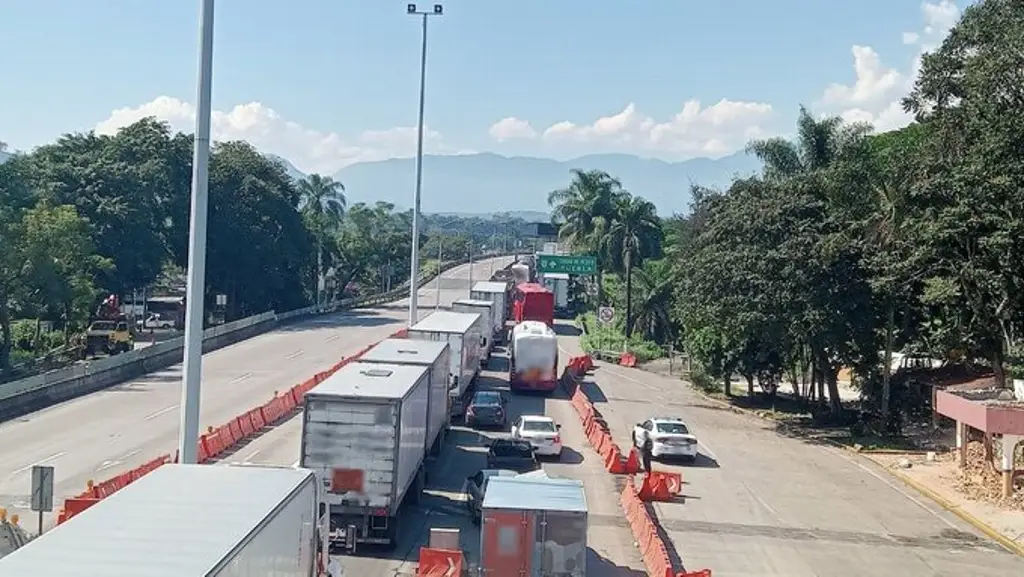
point(326, 83)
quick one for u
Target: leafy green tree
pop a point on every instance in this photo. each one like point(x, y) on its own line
point(584, 211)
point(60, 263)
point(259, 249)
point(634, 233)
point(969, 93)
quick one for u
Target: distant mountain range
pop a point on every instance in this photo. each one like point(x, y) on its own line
point(483, 184)
point(486, 183)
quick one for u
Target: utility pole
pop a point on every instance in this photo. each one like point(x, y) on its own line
point(192, 368)
point(414, 274)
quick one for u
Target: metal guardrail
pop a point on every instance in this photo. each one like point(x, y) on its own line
point(95, 375)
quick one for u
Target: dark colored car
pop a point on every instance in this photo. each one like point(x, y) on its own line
point(487, 409)
point(476, 487)
point(512, 454)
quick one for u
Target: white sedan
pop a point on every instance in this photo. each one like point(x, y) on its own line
point(541, 432)
point(665, 437)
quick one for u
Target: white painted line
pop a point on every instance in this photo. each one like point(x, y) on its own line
point(39, 462)
point(251, 456)
point(898, 489)
point(295, 355)
point(707, 451)
point(630, 379)
point(152, 416)
point(240, 378)
point(107, 465)
point(332, 338)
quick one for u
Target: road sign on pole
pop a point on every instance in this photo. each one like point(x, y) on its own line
point(42, 491)
point(606, 314)
point(557, 263)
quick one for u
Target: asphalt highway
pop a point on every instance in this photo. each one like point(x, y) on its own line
point(759, 504)
point(610, 543)
point(100, 435)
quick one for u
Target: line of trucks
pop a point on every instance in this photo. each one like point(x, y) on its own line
point(369, 433)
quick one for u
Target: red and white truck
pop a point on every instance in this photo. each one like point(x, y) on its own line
point(533, 357)
point(533, 302)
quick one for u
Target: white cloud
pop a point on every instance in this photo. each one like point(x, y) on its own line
point(875, 94)
point(510, 128)
point(310, 150)
point(712, 131)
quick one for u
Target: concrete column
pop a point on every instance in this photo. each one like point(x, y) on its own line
point(961, 443)
point(1009, 444)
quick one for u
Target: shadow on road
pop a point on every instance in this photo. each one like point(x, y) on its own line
point(564, 329)
point(598, 566)
point(593, 391)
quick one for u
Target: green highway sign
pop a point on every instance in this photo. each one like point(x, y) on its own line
point(557, 263)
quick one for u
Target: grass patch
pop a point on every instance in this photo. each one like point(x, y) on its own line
point(602, 337)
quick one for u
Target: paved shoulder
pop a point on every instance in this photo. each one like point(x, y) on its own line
point(758, 503)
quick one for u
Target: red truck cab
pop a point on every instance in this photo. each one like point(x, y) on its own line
point(533, 302)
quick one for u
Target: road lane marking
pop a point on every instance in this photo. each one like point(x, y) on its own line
point(333, 337)
point(39, 462)
point(296, 354)
point(152, 416)
point(240, 378)
point(251, 456)
point(898, 489)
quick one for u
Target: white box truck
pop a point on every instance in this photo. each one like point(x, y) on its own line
point(558, 284)
point(497, 293)
point(191, 521)
point(482, 308)
point(533, 358)
point(436, 357)
point(364, 431)
point(464, 334)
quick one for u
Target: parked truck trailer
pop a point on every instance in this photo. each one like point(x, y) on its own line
point(191, 521)
point(533, 526)
point(363, 432)
point(498, 294)
point(436, 356)
point(464, 333)
point(482, 308)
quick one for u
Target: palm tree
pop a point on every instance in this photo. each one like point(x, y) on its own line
point(634, 234)
point(819, 144)
point(818, 156)
point(584, 211)
point(323, 203)
point(653, 285)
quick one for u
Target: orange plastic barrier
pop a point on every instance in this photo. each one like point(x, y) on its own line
point(652, 548)
point(660, 486)
point(627, 360)
point(256, 416)
point(74, 506)
point(439, 563)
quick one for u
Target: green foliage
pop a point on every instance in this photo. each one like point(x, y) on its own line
point(91, 215)
point(612, 338)
point(850, 243)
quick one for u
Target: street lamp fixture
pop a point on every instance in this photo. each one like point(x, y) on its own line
point(414, 274)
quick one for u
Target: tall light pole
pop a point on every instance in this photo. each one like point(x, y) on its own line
point(414, 273)
point(192, 369)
